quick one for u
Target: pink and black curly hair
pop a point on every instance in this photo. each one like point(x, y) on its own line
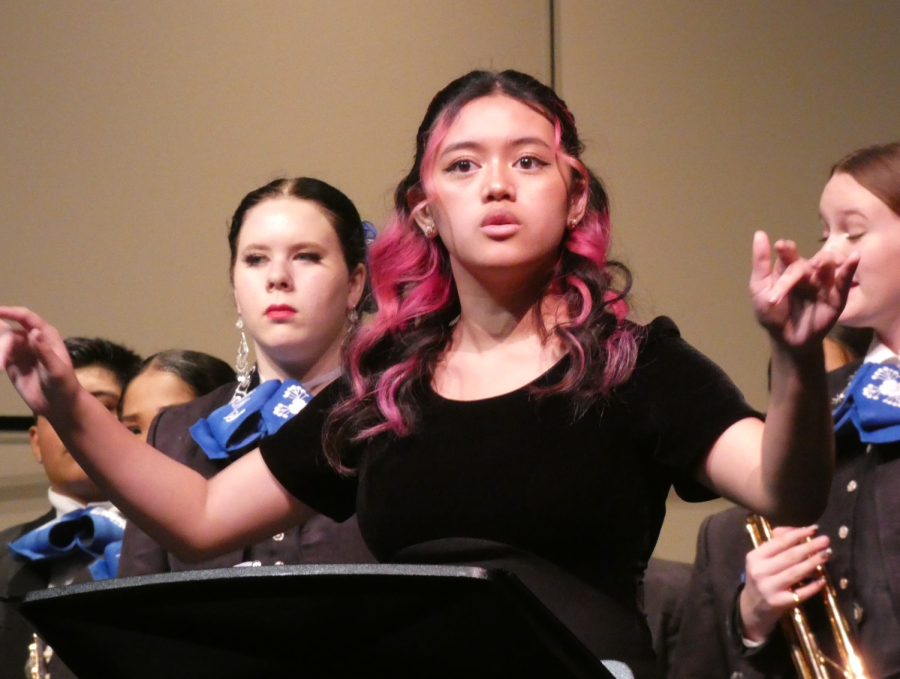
point(391, 361)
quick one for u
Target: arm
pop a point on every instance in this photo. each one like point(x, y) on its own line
point(783, 469)
point(188, 515)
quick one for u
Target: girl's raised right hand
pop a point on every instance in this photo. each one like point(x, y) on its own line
point(36, 360)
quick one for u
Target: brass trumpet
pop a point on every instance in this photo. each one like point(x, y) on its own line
point(38, 655)
point(810, 661)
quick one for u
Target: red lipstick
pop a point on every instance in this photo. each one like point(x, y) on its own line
point(280, 312)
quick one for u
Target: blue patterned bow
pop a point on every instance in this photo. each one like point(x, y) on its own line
point(235, 428)
point(872, 404)
point(95, 531)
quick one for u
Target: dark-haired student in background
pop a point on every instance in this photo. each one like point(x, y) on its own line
point(34, 560)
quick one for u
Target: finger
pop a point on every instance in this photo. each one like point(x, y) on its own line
point(48, 347)
point(11, 342)
point(843, 276)
point(798, 271)
point(786, 251)
point(762, 257)
point(778, 566)
point(24, 317)
point(784, 538)
point(793, 575)
point(807, 591)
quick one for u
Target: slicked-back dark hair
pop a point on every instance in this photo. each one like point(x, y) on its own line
point(87, 352)
point(201, 372)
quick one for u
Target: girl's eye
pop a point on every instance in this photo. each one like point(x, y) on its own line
point(854, 236)
point(134, 429)
point(253, 260)
point(309, 257)
point(461, 165)
point(531, 163)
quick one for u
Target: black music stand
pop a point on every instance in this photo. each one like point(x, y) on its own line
point(395, 621)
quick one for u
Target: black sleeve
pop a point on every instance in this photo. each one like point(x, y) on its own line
point(683, 402)
point(296, 458)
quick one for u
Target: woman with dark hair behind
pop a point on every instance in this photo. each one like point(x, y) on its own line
point(318, 232)
point(500, 398)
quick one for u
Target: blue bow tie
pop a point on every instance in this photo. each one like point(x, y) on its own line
point(235, 428)
point(94, 531)
point(872, 404)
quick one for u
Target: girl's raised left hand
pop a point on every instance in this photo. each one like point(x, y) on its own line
point(795, 299)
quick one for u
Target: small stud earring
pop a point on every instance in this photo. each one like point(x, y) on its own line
point(429, 230)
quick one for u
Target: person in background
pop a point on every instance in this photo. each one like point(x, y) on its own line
point(844, 345)
point(47, 552)
point(665, 588)
point(738, 594)
point(167, 379)
point(298, 249)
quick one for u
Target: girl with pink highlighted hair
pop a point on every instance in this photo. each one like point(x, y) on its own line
point(500, 409)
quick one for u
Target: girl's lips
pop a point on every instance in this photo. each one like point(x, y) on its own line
point(280, 312)
point(502, 218)
point(501, 224)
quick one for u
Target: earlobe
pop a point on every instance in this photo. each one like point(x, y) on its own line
point(425, 222)
point(577, 211)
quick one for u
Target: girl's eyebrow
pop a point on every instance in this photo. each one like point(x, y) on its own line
point(477, 146)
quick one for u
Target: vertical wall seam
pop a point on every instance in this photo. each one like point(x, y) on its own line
point(552, 7)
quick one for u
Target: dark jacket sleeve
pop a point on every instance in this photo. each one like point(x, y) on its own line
point(665, 587)
point(141, 554)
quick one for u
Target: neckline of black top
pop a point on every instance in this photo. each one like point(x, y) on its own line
point(549, 376)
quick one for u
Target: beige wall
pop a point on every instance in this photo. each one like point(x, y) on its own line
point(710, 120)
point(128, 132)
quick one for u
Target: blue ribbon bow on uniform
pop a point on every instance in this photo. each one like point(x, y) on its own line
point(872, 404)
point(95, 531)
point(238, 427)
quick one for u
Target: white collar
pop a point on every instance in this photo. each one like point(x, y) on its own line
point(881, 353)
point(63, 504)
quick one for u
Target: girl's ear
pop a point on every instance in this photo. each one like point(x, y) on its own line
point(578, 206)
point(357, 285)
point(424, 217)
point(425, 221)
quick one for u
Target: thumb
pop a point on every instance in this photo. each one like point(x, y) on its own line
point(762, 257)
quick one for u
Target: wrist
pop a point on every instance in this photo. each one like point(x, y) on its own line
point(753, 628)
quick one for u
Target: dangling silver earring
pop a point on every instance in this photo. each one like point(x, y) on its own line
point(353, 318)
point(241, 364)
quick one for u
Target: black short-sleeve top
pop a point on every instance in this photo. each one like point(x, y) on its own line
point(585, 493)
